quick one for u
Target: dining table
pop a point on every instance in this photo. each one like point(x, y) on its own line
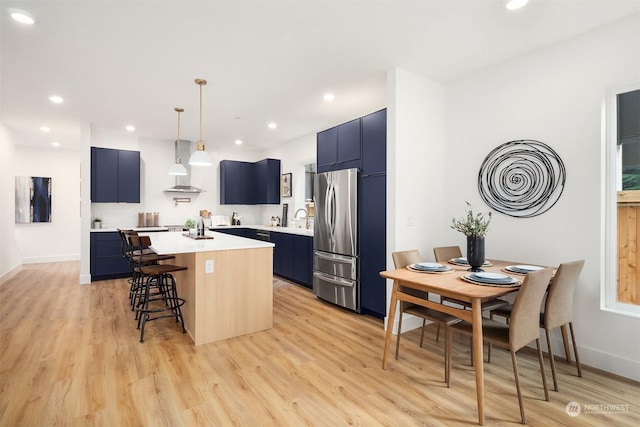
point(452, 284)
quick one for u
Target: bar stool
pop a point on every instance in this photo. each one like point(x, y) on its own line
point(155, 296)
point(133, 254)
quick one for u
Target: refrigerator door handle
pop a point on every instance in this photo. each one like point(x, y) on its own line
point(332, 213)
point(332, 279)
point(334, 257)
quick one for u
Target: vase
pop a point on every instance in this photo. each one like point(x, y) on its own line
point(475, 253)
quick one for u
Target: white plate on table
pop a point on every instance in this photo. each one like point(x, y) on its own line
point(523, 269)
point(491, 279)
point(428, 267)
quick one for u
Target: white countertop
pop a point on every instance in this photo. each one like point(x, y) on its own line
point(290, 230)
point(138, 229)
point(175, 242)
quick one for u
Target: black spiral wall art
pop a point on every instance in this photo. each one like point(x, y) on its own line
point(522, 178)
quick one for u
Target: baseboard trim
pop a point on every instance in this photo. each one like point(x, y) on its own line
point(591, 357)
point(10, 274)
point(56, 258)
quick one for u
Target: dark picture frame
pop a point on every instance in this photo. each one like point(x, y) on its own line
point(285, 185)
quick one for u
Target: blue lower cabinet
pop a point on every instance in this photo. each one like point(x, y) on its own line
point(283, 254)
point(242, 232)
point(276, 239)
point(303, 260)
point(292, 257)
point(106, 257)
point(292, 254)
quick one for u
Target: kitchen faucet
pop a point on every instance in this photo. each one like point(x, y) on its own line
point(306, 216)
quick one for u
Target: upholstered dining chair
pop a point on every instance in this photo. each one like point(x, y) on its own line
point(445, 253)
point(400, 260)
point(521, 330)
point(558, 312)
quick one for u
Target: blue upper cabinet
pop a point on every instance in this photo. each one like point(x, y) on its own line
point(237, 183)
point(115, 176)
point(339, 147)
point(374, 143)
point(349, 141)
point(327, 147)
point(267, 176)
point(104, 175)
point(245, 183)
point(129, 176)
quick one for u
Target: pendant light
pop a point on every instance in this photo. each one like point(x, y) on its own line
point(178, 168)
point(201, 157)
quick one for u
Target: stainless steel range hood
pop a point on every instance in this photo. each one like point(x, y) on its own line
point(183, 183)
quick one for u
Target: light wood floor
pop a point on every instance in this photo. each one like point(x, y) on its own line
point(70, 356)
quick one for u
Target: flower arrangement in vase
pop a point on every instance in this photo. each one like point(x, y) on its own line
point(475, 227)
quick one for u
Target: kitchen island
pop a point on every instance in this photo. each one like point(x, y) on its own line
point(228, 285)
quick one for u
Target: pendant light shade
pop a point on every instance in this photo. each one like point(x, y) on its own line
point(200, 157)
point(178, 168)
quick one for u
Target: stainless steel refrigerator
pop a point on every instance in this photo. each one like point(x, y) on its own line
point(335, 238)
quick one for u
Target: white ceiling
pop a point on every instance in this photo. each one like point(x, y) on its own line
point(131, 62)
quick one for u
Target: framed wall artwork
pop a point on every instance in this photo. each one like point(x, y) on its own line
point(285, 185)
point(33, 199)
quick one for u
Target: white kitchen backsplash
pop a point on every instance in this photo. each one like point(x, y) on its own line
point(125, 215)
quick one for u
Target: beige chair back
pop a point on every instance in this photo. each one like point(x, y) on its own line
point(445, 253)
point(559, 305)
point(400, 260)
point(524, 325)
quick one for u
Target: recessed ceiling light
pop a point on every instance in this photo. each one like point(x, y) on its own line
point(515, 4)
point(22, 16)
point(272, 125)
point(45, 129)
point(55, 144)
point(238, 142)
point(56, 99)
point(130, 128)
point(329, 97)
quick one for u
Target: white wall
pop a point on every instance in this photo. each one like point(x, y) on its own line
point(294, 156)
point(156, 156)
point(58, 240)
point(10, 256)
point(415, 170)
point(554, 96)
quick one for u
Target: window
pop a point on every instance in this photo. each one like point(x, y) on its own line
point(621, 202)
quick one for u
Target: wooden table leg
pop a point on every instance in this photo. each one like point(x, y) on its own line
point(478, 356)
point(390, 320)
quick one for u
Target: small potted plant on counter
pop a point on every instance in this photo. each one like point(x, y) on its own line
point(97, 222)
point(190, 225)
